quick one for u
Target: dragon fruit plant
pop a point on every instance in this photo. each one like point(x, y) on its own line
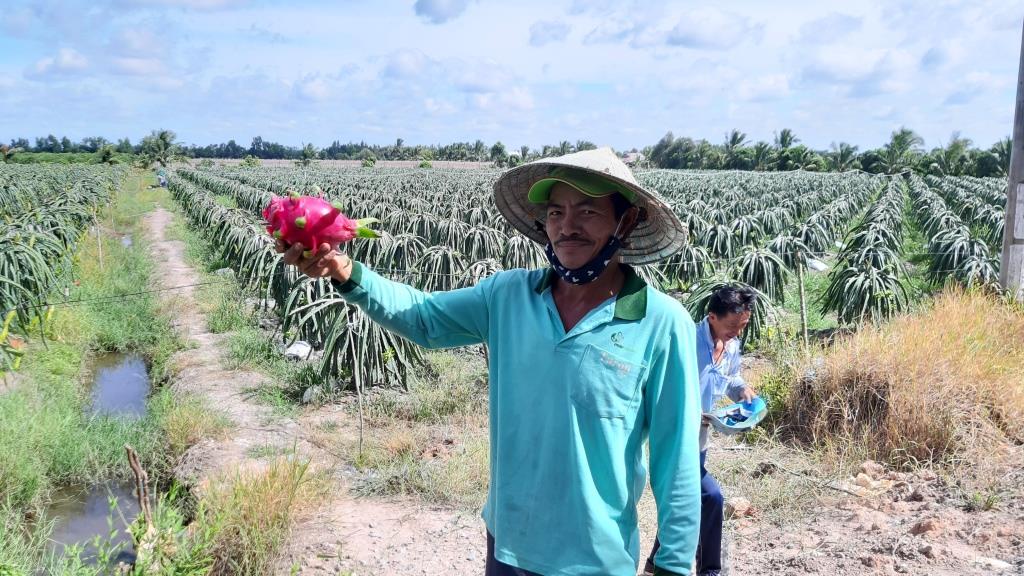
point(313, 221)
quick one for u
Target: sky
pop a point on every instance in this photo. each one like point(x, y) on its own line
point(525, 72)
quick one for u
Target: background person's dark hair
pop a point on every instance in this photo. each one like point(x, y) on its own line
point(731, 299)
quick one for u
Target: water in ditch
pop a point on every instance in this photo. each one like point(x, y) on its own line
point(120, 386)
point(81, 513)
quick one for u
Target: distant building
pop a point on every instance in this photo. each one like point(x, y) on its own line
point(632, 158)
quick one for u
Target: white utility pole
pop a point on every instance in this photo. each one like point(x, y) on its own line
point(1012, 266)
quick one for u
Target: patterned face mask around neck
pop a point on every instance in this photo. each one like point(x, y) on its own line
point(589, 271)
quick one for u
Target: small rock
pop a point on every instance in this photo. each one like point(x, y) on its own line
point(927, 551)
point(313, 394)
point(930, 526)
point(224, 273)
point(921, 493)
point(992, 563)
point(298, 351)
point(738, 508)
point(873, 469)
point(864, 481)
point(870, 561)
point(765, 469)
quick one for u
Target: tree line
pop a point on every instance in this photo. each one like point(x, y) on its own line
point(904, 152)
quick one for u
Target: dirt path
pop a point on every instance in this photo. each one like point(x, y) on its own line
point(360, 535)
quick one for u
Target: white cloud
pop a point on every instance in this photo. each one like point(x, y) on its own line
point(264, 35)
point(185, 4)
point(973, 85)
point(68, 61)
point(517, 98)
point(611, 30)
point(440, 11)
point(547, 31)
point(313, 88)
point(861, 71)
point(763, 88)
point(480, 77)
point(438, 107)
point(136, 41)
point(137, 66)
point(405, 64)
point(713, 29)
point(829, 29)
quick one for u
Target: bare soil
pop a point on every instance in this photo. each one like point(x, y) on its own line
point(787, 517)
point(360, 535)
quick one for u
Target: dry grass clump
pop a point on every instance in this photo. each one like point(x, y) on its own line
point(943, 386)
point(249, 513)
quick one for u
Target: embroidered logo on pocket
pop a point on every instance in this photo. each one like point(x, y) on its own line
point(623, 369)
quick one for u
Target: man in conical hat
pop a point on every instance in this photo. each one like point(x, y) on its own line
point(587, 362)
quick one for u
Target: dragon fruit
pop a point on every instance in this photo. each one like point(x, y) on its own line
point(313, 221)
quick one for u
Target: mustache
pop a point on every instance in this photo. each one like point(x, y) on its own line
point(572, 239)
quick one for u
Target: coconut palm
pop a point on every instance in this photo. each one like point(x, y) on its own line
point(160, 147)
point(843, 157)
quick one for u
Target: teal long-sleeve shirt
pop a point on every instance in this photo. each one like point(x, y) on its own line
point(569, 414)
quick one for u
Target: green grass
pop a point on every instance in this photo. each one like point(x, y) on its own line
point(47, 437)
point(815, 285)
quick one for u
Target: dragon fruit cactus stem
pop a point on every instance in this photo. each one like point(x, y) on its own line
point(312, 222)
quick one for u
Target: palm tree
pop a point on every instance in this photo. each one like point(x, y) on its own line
point(803, 158)
point(762, 156)
point(524, 153)
point(734, 150)
point(843, 157)
point(309, 153)
point(901, 152)
point(564, 147)
point(707, 156)
point(160, 147)
point(785, 139)
point(1002, 150)
point(479, 151)
point(953, 160)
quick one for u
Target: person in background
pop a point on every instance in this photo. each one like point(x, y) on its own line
point(718, 358)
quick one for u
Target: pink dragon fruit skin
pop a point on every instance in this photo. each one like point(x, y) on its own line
point(312, 222)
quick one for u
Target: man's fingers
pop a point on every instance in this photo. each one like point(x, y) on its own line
point(293, 255)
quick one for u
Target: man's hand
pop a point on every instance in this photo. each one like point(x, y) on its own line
point(747, 394)
point(325, 262)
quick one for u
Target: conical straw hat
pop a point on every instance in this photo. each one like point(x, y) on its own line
point(657, 237)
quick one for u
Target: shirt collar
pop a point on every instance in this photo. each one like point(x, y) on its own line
point(630, 304)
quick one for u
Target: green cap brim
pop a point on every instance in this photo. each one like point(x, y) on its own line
point(590, 184)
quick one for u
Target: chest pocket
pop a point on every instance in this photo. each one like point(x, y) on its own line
point(607, 385)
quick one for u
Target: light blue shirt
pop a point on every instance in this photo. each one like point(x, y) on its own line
point(569, 414)
point(717, 379)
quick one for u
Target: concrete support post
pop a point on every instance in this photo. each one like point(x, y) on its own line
point(1011, 274)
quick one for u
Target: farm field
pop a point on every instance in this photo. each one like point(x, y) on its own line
point(371, 437)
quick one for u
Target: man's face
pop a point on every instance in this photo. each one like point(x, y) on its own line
point(577, 225)
point(729, 326)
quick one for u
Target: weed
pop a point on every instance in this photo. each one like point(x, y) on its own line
point(938, 386)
